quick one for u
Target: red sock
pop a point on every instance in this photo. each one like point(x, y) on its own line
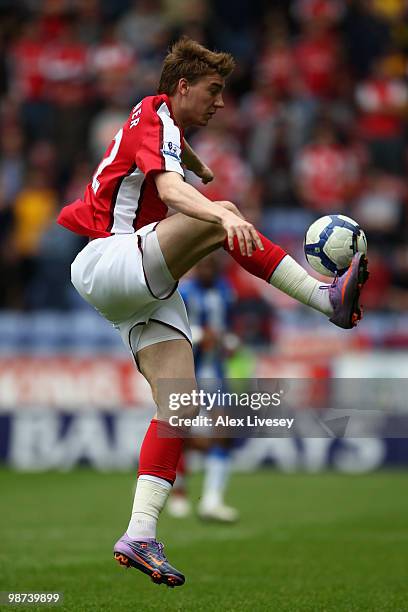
point(261, 263)
point(159, 455)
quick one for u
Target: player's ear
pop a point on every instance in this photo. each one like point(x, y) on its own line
point(183, 86)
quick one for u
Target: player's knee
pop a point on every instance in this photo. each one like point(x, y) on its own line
point(188, 412)
point(167, 410)
point(229, 206)
point(174, 403)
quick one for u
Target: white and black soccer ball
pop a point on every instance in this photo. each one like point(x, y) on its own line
point(331, 242)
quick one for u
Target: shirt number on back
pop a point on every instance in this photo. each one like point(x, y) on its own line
point(107, 160)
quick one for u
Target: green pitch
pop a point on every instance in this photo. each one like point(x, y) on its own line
point(305, 543)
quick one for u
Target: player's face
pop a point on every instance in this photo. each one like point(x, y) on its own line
point(204, 98)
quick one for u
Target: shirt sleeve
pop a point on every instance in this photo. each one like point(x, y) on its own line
point(161, 146)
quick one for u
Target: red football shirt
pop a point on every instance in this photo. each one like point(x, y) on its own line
point(122, 196)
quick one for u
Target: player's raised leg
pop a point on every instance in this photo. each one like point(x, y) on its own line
point(184, 241)
point(159, 457)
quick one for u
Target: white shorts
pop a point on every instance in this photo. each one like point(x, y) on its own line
point(125, 277)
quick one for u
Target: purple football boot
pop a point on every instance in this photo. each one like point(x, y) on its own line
point(148, 557)
point(345, 292)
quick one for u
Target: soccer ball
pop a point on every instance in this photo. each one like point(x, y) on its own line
point(330, 243)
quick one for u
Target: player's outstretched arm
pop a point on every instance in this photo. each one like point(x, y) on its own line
point(184, 198)
point(196, 165)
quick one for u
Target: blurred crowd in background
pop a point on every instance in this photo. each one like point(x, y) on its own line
point(315, 122)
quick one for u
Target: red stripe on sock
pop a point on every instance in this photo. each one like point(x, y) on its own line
point(261, 263)
point(159, 455)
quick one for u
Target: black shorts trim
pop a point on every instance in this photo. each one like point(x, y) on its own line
point(156, 297)
point(146, 323)
point(174, 328)
point(130, 344)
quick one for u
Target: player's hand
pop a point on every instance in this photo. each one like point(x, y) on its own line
point(247, 236)
point(205, 174)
